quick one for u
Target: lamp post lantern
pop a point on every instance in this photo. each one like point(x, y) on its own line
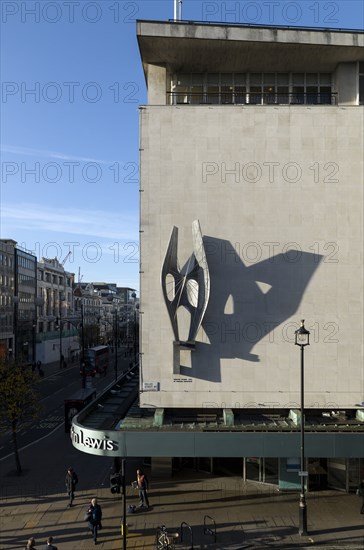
point(302, 339)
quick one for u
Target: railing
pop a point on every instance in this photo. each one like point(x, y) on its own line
point(259, 25)
point(207, 530)
point(54, 335)
point(184, 524)
point(252, 98)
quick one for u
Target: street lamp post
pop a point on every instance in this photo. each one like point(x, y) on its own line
point(83, 350)
point(78, 323)
point(15, 326)
point(61, 359)
point(123, 464)
point(302, 339)
point(38, 302)
point(34, 343)
point(135, 334)
point(97, 327)
point(115, 312)
point(115, 326)
point(60, 342)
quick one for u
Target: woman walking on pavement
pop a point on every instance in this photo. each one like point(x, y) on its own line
point(71, 481)
point(95, 518)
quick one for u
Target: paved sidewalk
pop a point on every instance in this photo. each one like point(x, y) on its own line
point(247, 515)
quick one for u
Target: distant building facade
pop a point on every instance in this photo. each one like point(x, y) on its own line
point(55, 336)
point(7, 292)
point(18, 302)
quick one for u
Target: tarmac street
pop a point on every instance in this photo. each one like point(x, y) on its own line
point(246, 515)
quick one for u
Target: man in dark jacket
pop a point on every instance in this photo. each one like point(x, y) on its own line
point(95, 518)
point(71, 482)
point(49, 545)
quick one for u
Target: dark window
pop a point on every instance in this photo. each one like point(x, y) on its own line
point(361, 89)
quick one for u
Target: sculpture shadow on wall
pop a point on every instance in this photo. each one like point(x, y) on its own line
point(246, 303)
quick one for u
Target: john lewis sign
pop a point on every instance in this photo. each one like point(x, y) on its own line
point(94, 442)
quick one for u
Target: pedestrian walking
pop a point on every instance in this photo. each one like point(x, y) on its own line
point(94, 521)
point(31, 544)
point(142, 482)
point(40, 370)
point(49, 544)
point(71, 482)
point(360, 492)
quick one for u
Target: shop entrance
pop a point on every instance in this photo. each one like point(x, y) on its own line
point(344, 474)
point(263, 470)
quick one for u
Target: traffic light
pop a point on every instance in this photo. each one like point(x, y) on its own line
point(115, 483)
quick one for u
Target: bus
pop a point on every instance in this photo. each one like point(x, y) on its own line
point(97, 360)
point(74, 404)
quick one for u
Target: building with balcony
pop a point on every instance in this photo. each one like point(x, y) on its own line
point(252, 210)
point(251, 163)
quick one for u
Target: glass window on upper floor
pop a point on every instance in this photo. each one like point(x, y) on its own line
point(253, 89)
point(239, 87)
point(196, 88)
point(226, 88)
point(361, 83)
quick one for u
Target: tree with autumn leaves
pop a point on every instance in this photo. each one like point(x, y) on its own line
point(19, 400)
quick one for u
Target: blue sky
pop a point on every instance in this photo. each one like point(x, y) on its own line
point(71, 86)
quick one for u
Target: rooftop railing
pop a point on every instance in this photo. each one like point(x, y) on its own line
point(252, 98)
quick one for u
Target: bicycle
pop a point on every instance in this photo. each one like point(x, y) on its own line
point(165, 540)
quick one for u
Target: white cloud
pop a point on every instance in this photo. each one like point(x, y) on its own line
point(28, 151)
point(98, 224)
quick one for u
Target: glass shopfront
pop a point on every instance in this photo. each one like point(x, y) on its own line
point(344, 474)
point(264, 470)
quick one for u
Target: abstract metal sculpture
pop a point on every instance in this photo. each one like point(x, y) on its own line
point(188, 287)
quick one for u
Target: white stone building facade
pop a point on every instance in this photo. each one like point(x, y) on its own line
point(258, 134)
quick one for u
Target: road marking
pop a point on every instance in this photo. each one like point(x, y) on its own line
point(33, 442)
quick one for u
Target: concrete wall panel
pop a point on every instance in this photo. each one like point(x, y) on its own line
point(278, 192)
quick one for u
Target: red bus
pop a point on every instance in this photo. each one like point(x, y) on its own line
point(97, 360)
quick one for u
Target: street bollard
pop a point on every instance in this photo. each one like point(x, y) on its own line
point(122, 529)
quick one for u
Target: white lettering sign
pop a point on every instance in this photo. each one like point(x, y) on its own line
point(104, 444)
point(151, 386)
